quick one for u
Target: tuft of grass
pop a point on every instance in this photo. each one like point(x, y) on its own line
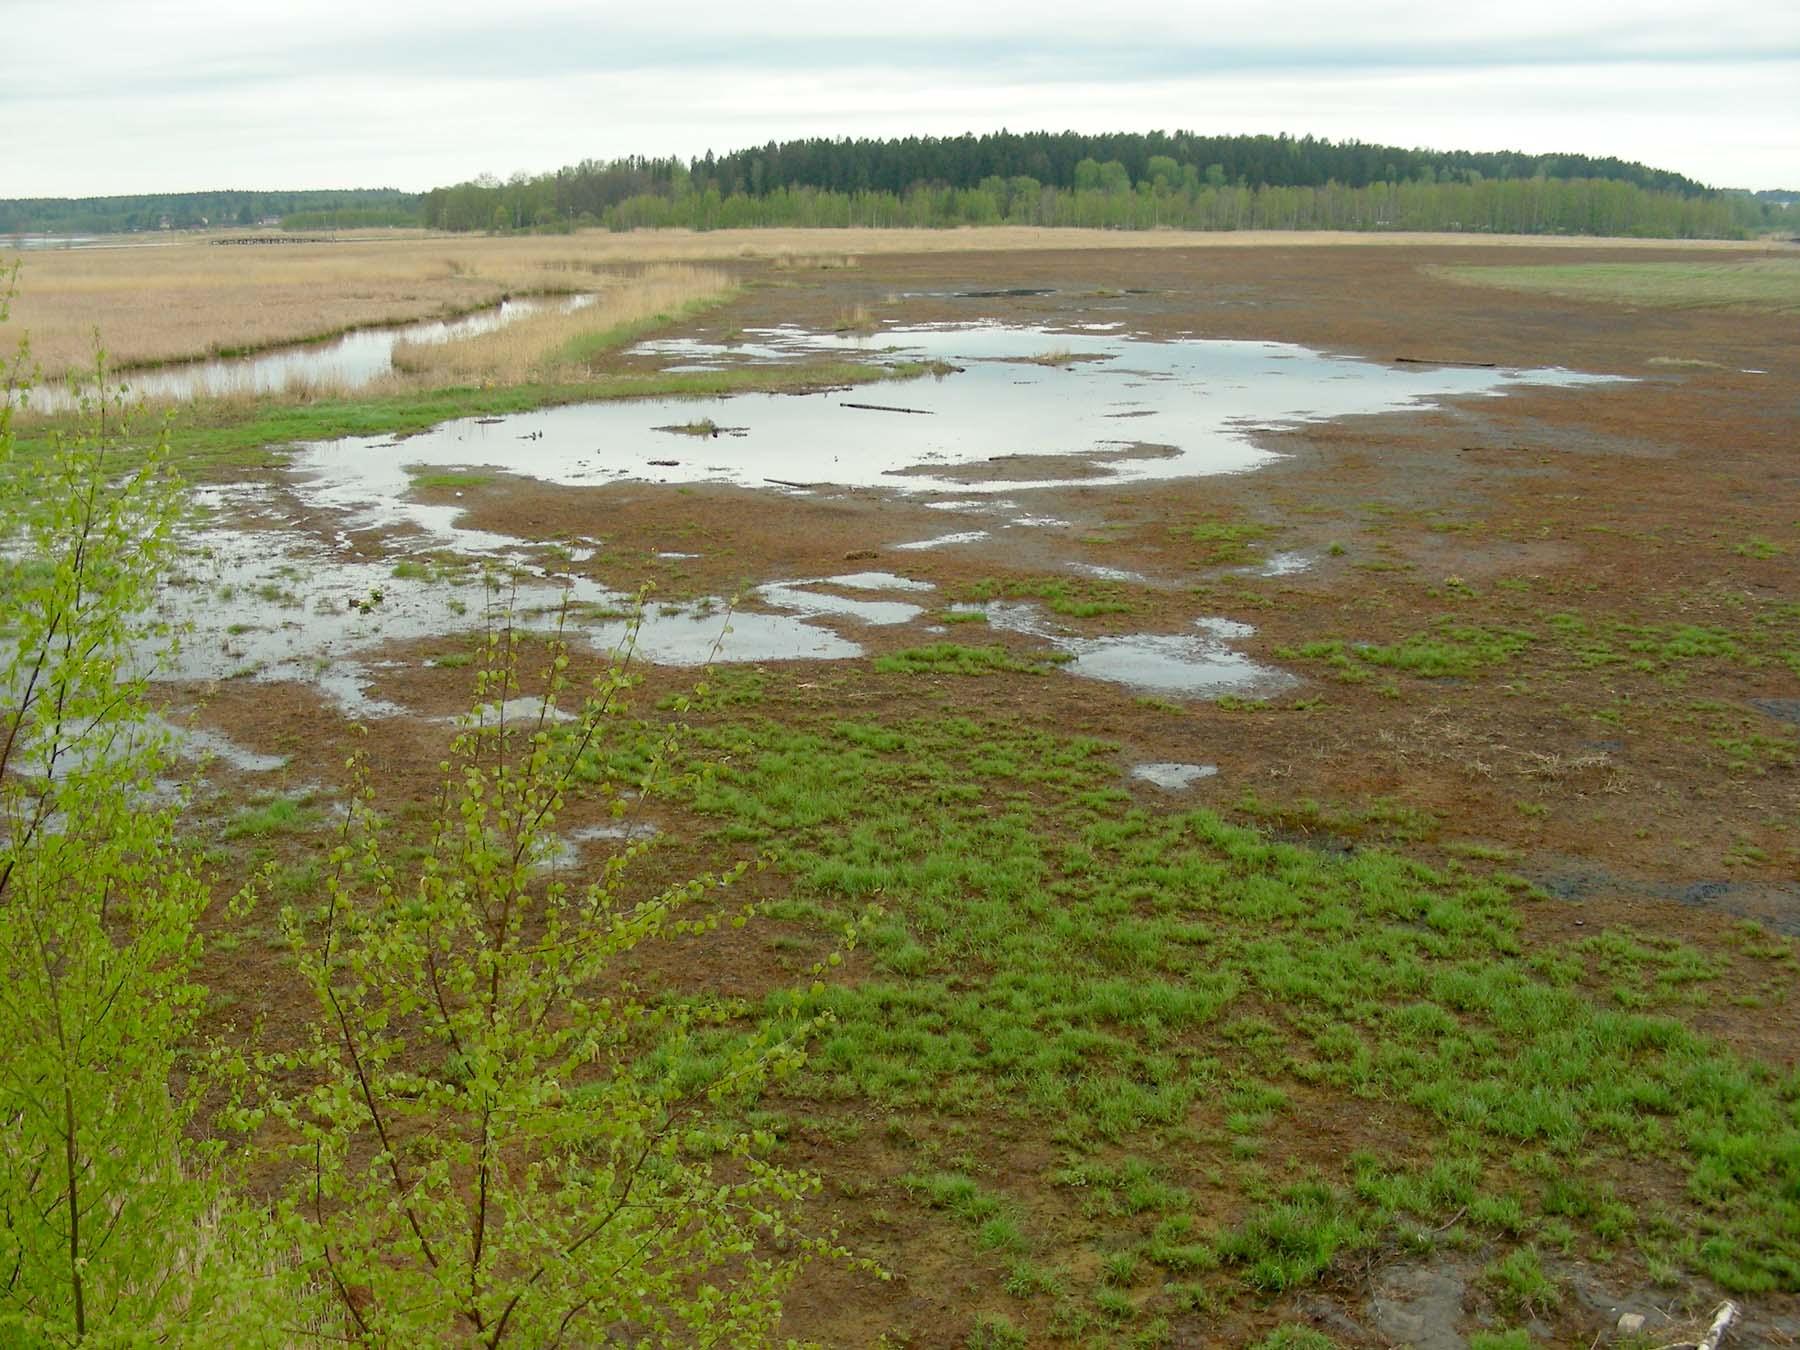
point(1295, 1338)
point(995, 1331)
point(282, 815)
point(1520, 1284)
point(1759, 548)
point(1077, 598)
point(705, 427)
point(1515, 1338)
point(1225, 542)
point(950, 658)
point(1448, 649)
point(439, 480)
point(1294, 1240)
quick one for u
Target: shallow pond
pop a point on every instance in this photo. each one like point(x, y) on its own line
point(1114, 410)
point(266, 601)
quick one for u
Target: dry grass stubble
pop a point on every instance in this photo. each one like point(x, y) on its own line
point(553, 342)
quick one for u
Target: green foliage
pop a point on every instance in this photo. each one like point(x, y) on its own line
point(448, 480)
point(282, 815)
point(1076, 597)
point(1292, 1241)
point(951, 658)
point(113, 1226)
point(995, 1331)
point(1116, 181)
point(317, 209)
point(1295, 1338)
point(1515, 1339)
point(1519, 1282)
point(1759, 548)
point(1448, 649)
point(500, 1137)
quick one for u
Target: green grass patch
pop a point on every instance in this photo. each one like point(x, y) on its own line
point(433, 480)
point(1075, 597)
point(952, 658)
point(1759, 548)
point(1447, 649)
point(1769, 285)
point(1051, 956)
point(1223, 542)
point(282, 815)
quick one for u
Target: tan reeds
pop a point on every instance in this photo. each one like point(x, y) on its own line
point(153, 300)
point(559, 342)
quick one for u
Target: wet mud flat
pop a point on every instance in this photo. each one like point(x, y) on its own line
point(1477, 613)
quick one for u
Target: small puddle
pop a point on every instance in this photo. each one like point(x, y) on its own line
point(820, 604)
point(203, 744)
point(945, 540)
point(1101, 573)
point(617, 829)
point(173, 739)
point(1201, 664)
point(558, 854)
point(878, 581)
point(1172, 777)
point(1284, 565)
point(524, 711)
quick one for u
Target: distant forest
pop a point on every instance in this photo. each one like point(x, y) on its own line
point(1121, 181)
point(340, 208)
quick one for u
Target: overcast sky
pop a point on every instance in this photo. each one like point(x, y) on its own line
point(117, 96)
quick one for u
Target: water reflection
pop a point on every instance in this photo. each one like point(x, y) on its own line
point(1002, 423)
point(349, 362)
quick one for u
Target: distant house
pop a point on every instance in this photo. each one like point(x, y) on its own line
point(269, 222)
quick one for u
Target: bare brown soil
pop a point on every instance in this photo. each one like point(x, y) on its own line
point(1609, 786)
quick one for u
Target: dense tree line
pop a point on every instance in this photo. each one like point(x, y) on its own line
point(1055, 159)
point(1509, 206)
point(192, 210)
point(399, 216)
point(1119, 181)
point(1123, 181)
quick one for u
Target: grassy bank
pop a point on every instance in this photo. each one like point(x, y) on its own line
point(239, 433)
point(565, 343)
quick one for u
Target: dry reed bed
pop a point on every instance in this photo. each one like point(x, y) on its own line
point(554, 344)
point(156, 302)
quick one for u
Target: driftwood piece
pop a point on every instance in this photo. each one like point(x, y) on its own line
point(1723, 1316)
